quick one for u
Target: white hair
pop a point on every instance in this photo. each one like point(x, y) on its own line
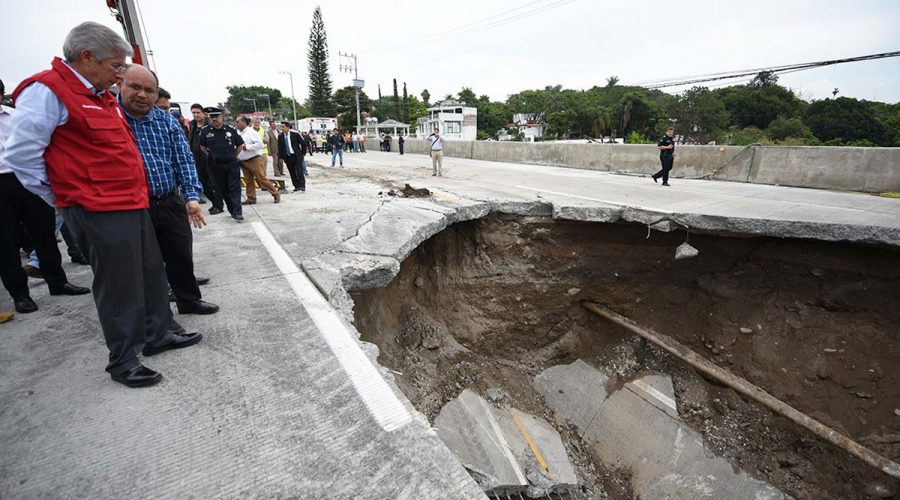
point(97, 38)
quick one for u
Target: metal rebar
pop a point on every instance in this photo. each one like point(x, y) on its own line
point(750, 390)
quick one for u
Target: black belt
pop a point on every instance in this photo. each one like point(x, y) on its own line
point(162, 196)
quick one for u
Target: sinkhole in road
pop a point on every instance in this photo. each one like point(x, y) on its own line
point(491, 303)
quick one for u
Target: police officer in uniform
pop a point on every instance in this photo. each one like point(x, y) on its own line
point(666, 147)
point(222, 143)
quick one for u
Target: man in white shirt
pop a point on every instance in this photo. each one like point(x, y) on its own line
point(253, 163)
point(437, 153)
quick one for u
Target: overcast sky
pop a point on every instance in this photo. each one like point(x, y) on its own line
point(201, 46)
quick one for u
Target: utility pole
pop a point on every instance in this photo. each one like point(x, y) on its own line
point(271, 116)
point(352, 65)
point(255, 111)
point(293, 100)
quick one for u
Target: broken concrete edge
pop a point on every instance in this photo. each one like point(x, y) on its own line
point(340, 265)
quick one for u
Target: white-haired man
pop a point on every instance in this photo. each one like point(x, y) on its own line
point(71, 145)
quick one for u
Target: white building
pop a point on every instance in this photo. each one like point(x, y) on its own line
point(317, 125)
point(455, 120)
point(530, 126)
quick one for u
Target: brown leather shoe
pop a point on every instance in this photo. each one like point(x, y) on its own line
point(248, 202)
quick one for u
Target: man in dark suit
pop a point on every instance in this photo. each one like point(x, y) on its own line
point(291, 147)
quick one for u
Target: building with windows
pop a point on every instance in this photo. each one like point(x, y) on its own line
point(455, 120)
point(531, 126)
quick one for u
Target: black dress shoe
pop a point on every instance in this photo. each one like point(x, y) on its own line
point(80, 259)
point(139, 376)
point(70, 289)
point(202, 280)
point(239, 218)
point(180, 342)
point(25, 305)
point(215, 211)
point(198, 307)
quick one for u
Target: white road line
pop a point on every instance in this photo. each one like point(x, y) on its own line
point(380, 400)
point(655, 394)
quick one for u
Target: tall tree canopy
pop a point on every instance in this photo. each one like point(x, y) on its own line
point(319, 80)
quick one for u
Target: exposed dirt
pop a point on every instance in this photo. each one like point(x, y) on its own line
point(491, 303)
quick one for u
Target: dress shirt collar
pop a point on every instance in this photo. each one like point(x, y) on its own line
point(5, 110)
point(84, 80)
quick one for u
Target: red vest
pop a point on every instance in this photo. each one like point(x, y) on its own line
point(92, 160)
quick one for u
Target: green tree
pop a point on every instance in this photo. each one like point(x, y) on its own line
point(237, 94)
point(397, 115)
point(560, 123)
point(285, 110)
point(345, 100)
point(760, 102)
point(416, 109)
point(637, 113)
point(743, 137)
point(319, 78)
point(700, 114)
point(637, 138)
point(783, 128)
point(426, 98)
point(467, 96)
point(846, 119)
point(492, 116)
point(405, 110)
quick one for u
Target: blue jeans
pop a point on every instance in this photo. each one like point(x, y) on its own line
point(335, 153)
point(33, 258)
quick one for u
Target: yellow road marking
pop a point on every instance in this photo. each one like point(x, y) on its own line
point(531, 443)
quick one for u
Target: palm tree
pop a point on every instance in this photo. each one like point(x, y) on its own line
point(612, 81)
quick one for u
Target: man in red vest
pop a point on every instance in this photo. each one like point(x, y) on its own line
point(71, 146)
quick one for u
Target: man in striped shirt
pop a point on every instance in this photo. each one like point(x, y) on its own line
point(172, 184)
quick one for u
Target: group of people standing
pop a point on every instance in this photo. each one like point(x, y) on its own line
point(122, 175)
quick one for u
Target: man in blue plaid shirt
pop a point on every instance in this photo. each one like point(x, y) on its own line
point(172, 182)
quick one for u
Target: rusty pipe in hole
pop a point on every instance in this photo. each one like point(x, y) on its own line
point(750, 390)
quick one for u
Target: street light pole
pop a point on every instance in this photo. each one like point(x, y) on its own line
point(255, 110)
point(293, 100)
point(269, 103)
point(357, 83)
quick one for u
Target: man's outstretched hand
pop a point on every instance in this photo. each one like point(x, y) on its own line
point(195, 214)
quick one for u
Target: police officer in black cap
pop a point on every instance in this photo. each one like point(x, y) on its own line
point(223, 143)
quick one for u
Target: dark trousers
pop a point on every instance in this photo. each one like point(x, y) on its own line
point(295, 169)
point(667, 162)
point(129, 280)
point(400, 146)
point(71, 245)
point(227, 177)
point(209, 187)
point(21, 208)
point(173, 233)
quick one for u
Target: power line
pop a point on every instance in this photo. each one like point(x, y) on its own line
point(732, 75)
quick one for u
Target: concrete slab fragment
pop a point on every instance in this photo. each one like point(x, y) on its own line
point(469, 427)
point(637, 427)
point(575, 391)
point(536, 444)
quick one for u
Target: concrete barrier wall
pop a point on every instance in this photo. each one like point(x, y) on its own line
point(870, 170)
